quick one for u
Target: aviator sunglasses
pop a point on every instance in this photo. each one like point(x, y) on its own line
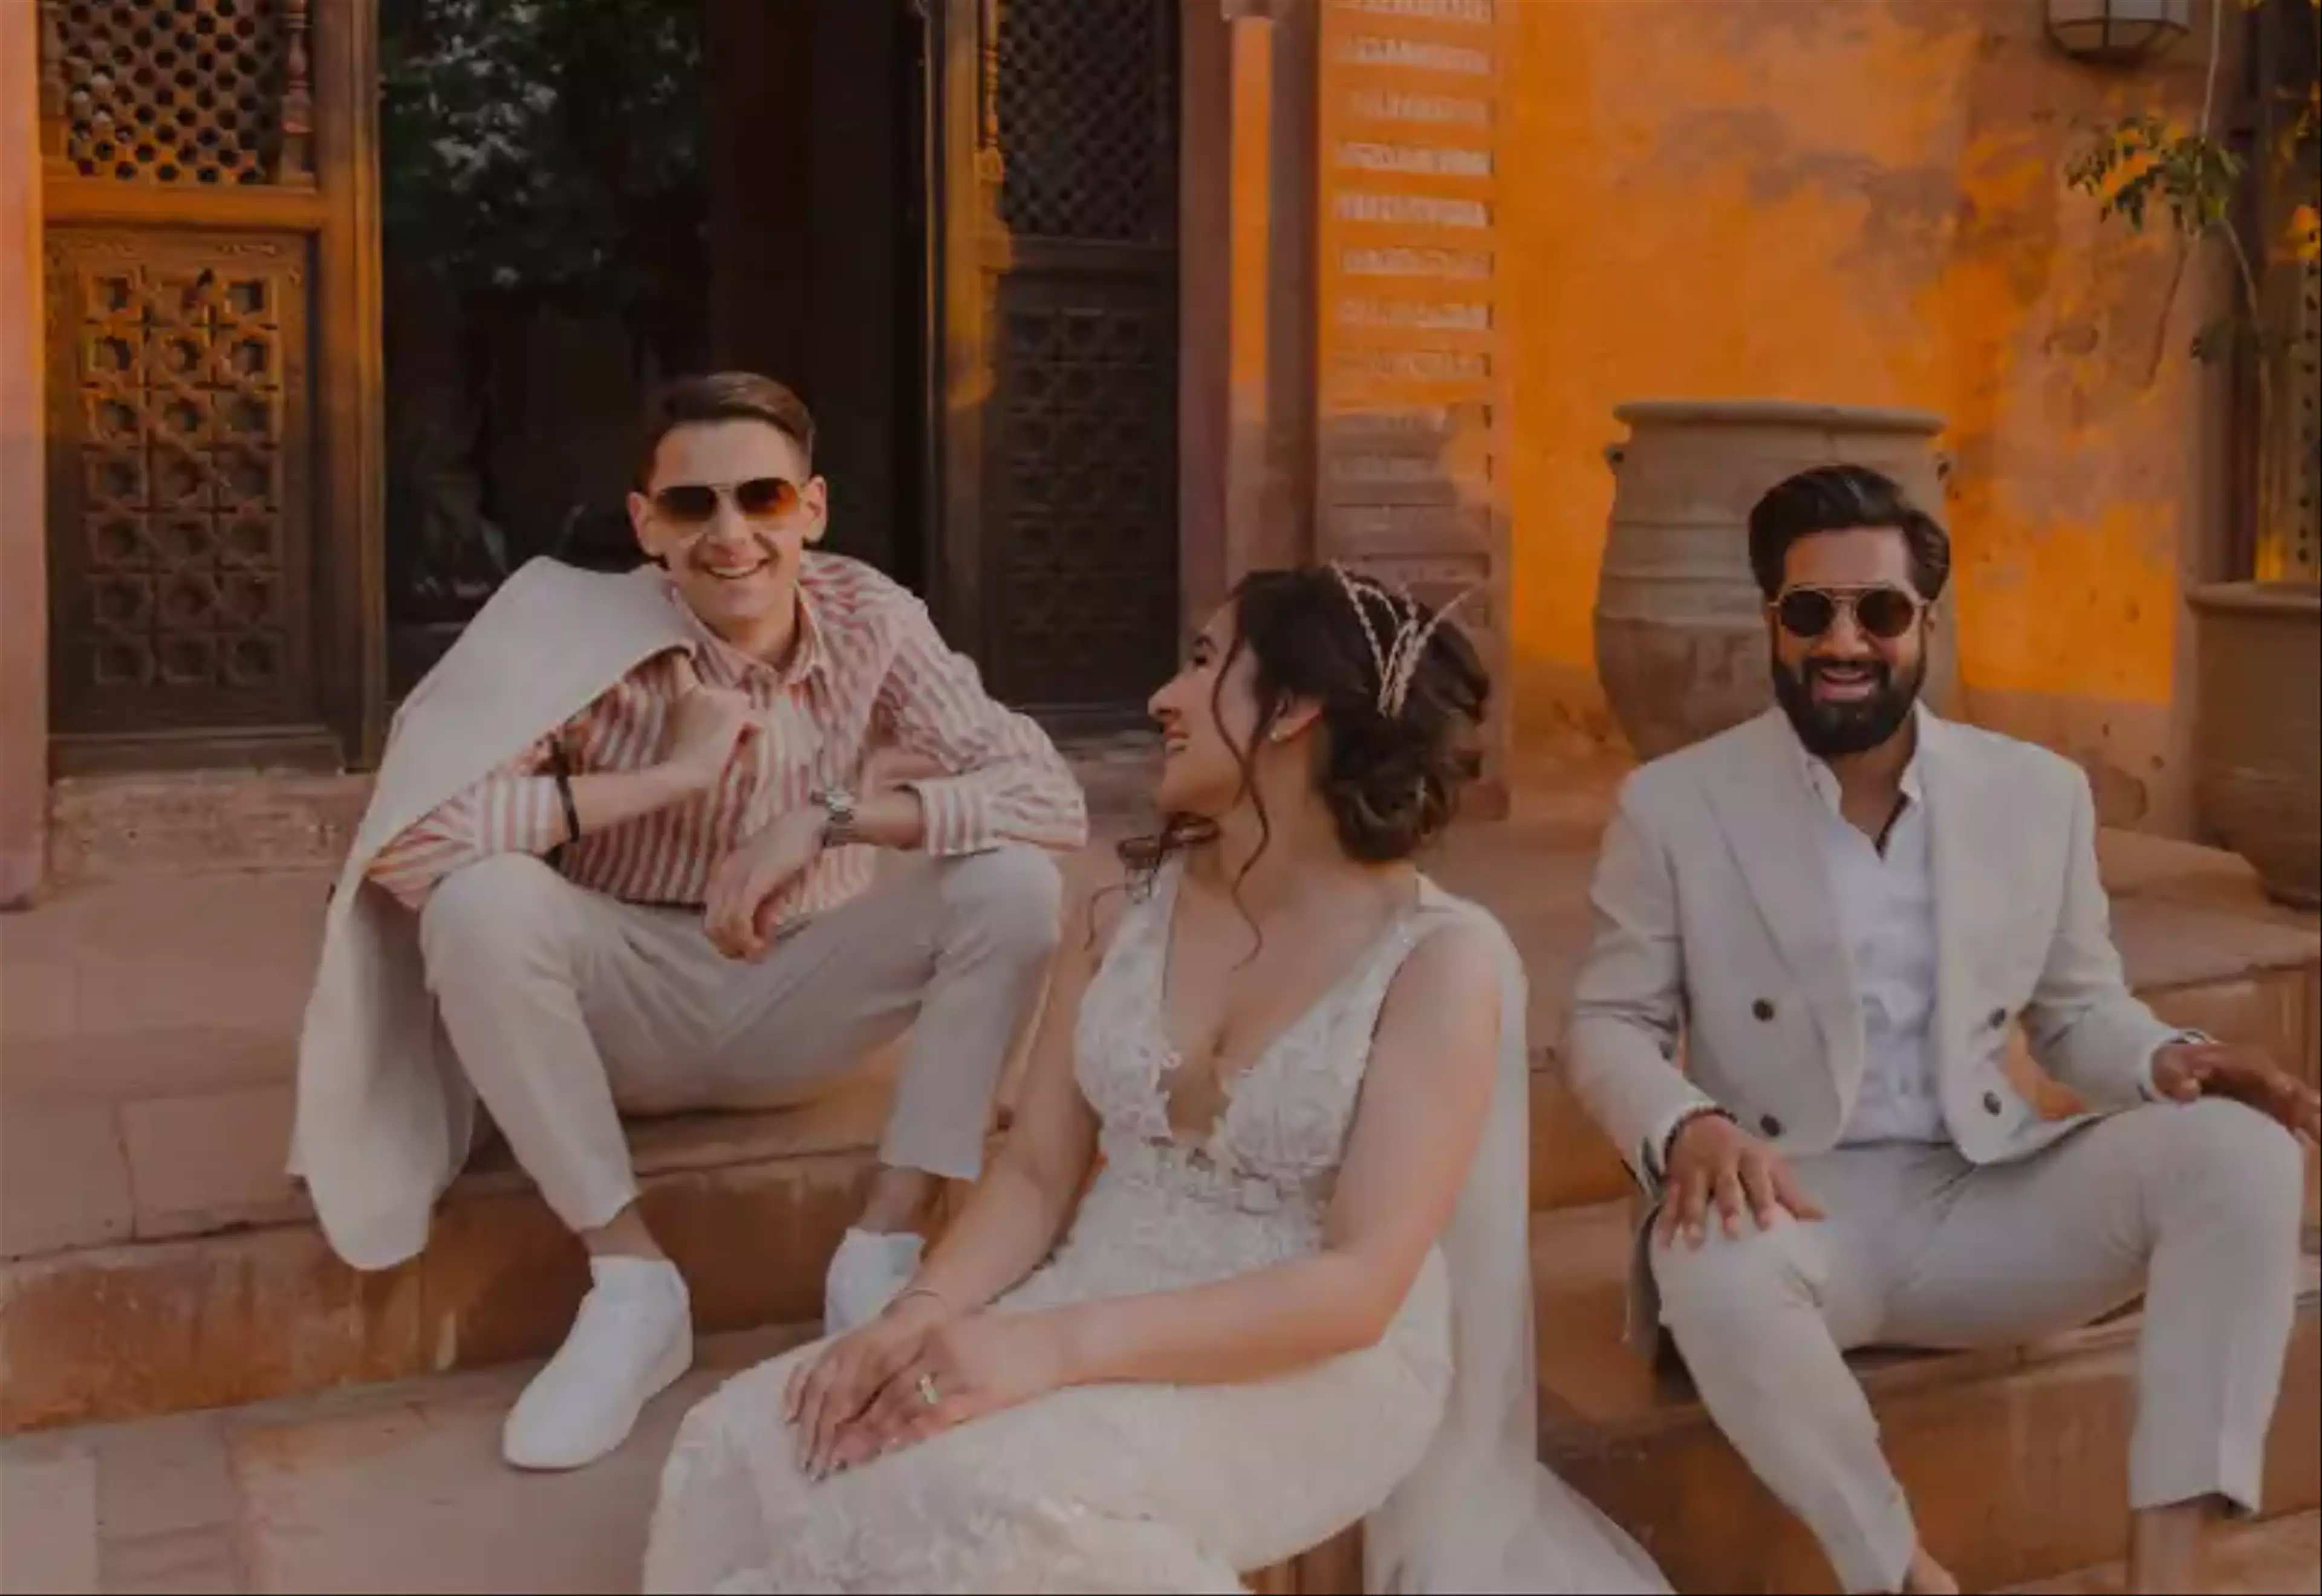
point(1882, 613)
point(760, 499)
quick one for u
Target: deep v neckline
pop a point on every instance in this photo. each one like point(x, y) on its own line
point(1169, 1059)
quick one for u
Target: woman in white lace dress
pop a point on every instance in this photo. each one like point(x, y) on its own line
point(1252, 1266)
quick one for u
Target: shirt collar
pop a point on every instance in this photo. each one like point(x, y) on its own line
point(724, 665)
point(1823, 780)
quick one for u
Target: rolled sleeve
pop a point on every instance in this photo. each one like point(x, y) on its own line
point(1005, 782)
point(514, 810)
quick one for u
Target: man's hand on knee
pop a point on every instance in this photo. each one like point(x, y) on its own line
point(744, 886)
point(2184, 1071)
point(1713, 1160)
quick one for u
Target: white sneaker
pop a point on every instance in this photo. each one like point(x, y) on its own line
point(866, 1273)
point(631, 1341)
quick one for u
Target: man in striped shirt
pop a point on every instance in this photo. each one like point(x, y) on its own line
point(668, 901)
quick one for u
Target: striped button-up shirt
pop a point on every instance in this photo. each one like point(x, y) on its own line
point(868, 671)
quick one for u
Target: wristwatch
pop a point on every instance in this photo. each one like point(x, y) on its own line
point(838, 816)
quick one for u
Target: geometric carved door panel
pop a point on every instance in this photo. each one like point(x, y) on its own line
point(181, 517)
point(1065, 465)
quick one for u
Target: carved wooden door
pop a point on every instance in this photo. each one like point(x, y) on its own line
point(212, 378)
point(1057, 550)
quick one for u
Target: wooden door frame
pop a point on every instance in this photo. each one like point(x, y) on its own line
point(961, 213)
point(351, 389)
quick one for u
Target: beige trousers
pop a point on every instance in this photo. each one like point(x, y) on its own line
point(2196, 1206)
point(567, 1007)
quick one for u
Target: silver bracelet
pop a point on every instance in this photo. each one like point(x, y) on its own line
point(909, 1292)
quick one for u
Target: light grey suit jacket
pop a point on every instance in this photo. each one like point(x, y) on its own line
point(1715, 923)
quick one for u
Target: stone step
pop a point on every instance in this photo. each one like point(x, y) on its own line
point(2015, 1462)
point(153, 1257)
point(398, 1488)
point(2272, 1557)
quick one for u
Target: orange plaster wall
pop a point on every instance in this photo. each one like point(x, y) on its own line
point(1862, 202)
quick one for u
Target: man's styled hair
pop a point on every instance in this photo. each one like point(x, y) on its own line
point(721, 396)
point(1844, 498)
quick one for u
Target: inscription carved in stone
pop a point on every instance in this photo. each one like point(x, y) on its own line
point(1478, 12)
point(1409, 416)
point(1457, 265)
point(1412, 210)
point(1437, 316)
point(1379, 105)
point(1418, 159)
point(1365, 50)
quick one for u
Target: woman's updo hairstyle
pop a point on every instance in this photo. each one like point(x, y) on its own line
point(1401, 695)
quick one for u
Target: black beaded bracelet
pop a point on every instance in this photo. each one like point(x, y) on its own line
point(562, 773)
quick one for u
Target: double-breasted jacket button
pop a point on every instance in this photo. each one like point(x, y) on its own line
point(1763, 1009)
point(1769, 1125)
point(1999, 1018)
point(1991, 1102)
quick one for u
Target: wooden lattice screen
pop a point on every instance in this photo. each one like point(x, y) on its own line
point(205, 299)
point(1062, 493)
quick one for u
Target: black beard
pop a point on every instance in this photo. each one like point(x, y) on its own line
point(1833, 731)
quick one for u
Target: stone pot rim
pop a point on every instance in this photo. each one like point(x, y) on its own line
point(2251, 597)
point(1855, 418)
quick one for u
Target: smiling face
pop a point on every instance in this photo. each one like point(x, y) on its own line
point(1849, 638)
point(728, 509)
point(1206, 712)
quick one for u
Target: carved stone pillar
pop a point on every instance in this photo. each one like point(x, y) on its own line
point(23, 578)
point(1411, 384)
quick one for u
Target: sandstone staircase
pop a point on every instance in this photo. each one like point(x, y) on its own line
point(201, 1398)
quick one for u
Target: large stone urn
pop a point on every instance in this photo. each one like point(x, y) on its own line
point(2257, 729)
point(1681, 638)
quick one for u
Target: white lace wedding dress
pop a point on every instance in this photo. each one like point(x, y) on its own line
point(1178, 1488)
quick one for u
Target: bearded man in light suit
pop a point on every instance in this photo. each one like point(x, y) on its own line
point(1842, 907)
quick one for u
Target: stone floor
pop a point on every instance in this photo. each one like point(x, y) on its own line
point(398, 1489)
point(2276, 1558)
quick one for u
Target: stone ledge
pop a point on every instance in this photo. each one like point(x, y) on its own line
point(103, 1334)
point(2016, 1460)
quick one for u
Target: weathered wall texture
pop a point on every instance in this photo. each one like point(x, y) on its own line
point(1862, 202)
point(23, 527)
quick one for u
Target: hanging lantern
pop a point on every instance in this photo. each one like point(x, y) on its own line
point(2117, 31)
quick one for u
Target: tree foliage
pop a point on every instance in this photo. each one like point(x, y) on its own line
point(543, 148)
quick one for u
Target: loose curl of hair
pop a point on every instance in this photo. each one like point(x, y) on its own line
point(1391, 783)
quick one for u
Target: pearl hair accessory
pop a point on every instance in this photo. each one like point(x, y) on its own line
point(1398, 661)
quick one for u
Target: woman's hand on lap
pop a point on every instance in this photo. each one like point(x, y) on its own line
point(831, 1389)
point(972, 1366)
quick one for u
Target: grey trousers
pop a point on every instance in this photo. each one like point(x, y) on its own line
point(567, 1007)
point(2197, 1207)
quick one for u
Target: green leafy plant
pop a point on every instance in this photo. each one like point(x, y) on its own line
point(2141, 169)
point(2145, 172)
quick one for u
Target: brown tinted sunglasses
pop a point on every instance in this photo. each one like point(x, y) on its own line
point(1883, 613)
point(692, 504)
